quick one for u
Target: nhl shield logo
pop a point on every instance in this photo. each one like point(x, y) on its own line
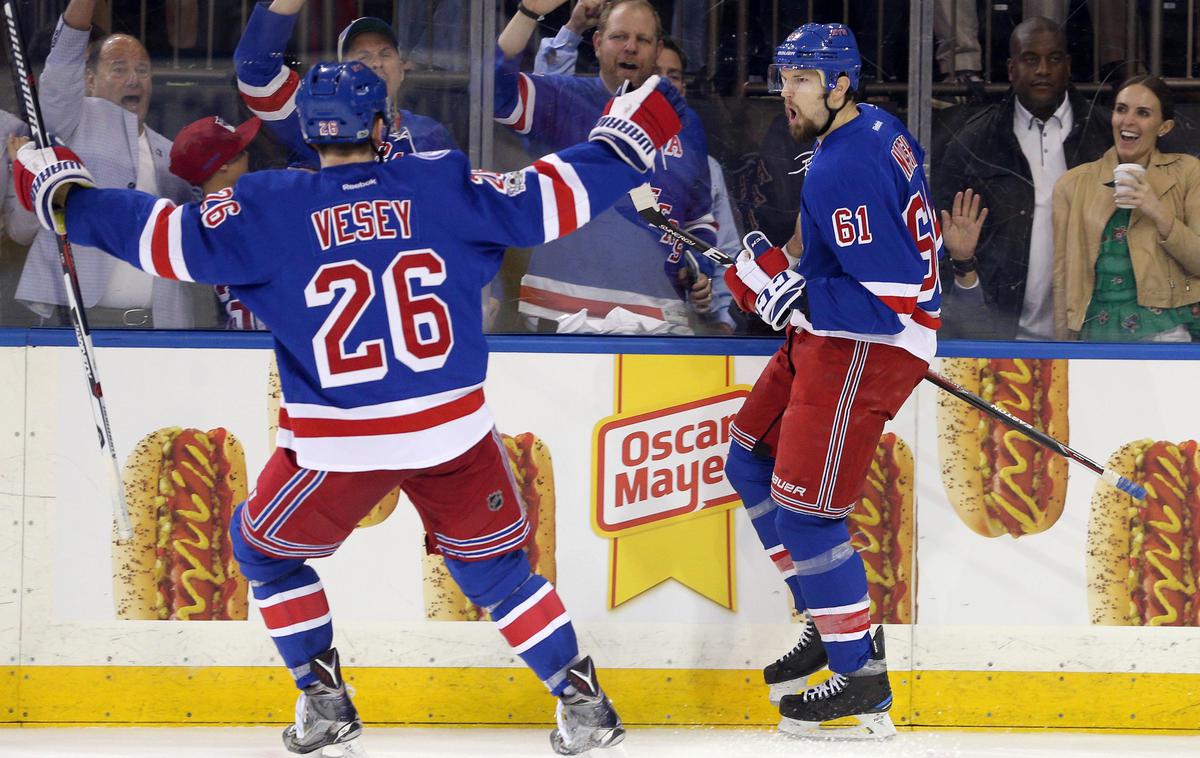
point(495, 501)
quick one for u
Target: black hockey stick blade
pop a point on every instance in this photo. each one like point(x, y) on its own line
point(647, 207)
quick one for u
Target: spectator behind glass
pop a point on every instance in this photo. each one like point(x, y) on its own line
point(211, 154)
point(268, 86)
point(96, 104)
point(1142, 284)
point(16, 223)
point(558, 56)
point(1010, 154)
point(958, 53)
point(614, 274)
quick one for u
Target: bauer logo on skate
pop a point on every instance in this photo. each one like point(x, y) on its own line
point(663, 465)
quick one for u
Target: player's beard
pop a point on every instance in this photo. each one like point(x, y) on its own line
point(803, 130)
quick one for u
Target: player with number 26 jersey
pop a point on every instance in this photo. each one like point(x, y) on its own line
point(369, 275)
point(370, 286)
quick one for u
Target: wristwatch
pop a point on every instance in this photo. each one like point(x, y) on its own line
point(962, 268)
point(526, 12)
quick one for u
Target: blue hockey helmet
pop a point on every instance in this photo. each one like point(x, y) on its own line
point(830, 48)
point(338, 103)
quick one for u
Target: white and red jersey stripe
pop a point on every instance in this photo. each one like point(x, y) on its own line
point(414, 433)
point(565, 205)
point(843, 623)
point(782, 559)
point(160, 245)
point(275, 100)
point(919, 335)
point(533, 620)
point(521, 117)
point(549, 298)
point(295, 610)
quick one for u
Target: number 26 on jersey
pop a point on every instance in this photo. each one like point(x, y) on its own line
point(419, 327)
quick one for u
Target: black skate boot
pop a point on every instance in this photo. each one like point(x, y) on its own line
point(324, 714)
point(585, 715)
point(864, 695)
point(790, 673)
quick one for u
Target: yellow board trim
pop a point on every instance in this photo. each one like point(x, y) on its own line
point(176, 695)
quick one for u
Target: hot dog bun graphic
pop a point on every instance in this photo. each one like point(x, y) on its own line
point(181, 486)
point(530, 461)
point(379, 513)
point(881, 530)
point(1142, 557)
point(998, 480)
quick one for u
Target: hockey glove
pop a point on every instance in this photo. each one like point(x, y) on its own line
point(753, 269)
point(637, 123)
point(39, 174)
point(783, 294)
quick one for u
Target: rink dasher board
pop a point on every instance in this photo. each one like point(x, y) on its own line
point(62, 645)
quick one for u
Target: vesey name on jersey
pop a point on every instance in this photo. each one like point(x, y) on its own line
point(362, 220)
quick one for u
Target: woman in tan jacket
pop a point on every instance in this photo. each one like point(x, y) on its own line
point(1133, 273)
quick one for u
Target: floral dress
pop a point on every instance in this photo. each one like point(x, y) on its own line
point(1114, 315)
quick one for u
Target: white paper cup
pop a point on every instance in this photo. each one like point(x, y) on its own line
point(1122, 174)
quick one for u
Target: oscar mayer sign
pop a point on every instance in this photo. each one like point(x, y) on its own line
point(663, 470)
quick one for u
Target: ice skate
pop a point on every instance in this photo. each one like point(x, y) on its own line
point(790, 673)
point(327, 723)
point(585, 715)
point(865, 696)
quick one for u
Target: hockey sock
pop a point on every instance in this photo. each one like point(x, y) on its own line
point(527, 611)
point(291, 598)
point(751, 479)
point(834, 583)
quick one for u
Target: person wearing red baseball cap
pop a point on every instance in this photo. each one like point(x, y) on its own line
point(210, 153)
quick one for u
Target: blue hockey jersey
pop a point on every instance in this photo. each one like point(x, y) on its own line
point(268, 88)
point(369, 277)
point(871, 237)
point(616, 260)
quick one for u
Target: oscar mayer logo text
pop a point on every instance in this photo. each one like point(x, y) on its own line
point(663, 465)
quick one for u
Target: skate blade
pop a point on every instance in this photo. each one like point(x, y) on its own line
point(790, 687)
point(348, 749)
point(609, 742)
point(867, 726)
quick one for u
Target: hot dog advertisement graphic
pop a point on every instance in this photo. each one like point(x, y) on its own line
point(881, 530)
point(181, 487)
point(997, 479)
point(1143, 557)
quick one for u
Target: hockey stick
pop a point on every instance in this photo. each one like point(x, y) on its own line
point(647, 208)
point(23, 82)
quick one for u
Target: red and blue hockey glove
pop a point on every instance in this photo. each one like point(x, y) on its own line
point(636, 124)
point(38, 176)
point(783, 295)
point(752, 272)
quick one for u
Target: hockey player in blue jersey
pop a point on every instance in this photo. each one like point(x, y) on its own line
point(554, 111)
point(369, 276)
point(861, 311)
point(268, 86)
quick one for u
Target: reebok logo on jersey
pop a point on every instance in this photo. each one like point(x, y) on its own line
point(359, 185)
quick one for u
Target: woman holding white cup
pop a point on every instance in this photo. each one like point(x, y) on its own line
point(1127, 231)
